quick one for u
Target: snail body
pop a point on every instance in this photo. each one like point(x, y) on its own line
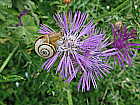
point(45, 45)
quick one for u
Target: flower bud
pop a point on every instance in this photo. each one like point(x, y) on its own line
point(67, 1)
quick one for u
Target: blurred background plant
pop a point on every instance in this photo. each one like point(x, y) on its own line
point(23, 82)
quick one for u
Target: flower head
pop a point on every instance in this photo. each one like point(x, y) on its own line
point(123, 44)
point(80, 50)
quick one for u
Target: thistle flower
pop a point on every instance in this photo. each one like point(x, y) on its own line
point(80, 50)
point(123, 44)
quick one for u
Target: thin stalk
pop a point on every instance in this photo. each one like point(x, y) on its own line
point(8, 59)
point(113, 11)
point(104, 96)
point(137, 23)
point(93, 98)
point(69, 97)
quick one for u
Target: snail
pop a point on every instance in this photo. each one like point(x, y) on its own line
point(45, 45)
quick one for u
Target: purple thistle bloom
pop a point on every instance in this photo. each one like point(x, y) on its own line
point(123, 45)
point(80, 50)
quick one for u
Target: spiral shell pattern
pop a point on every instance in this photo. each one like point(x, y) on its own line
point(44, 49)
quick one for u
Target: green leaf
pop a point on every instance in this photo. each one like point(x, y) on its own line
point(10, 78)
point(6, 3)
point(2, 17)
point(28, 20)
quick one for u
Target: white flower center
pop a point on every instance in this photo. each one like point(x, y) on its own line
point(67, 43)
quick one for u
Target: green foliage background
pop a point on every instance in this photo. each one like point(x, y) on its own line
point(23, 82)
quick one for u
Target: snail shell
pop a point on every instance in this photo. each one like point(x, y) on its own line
point(45, 45)
point(44, 50)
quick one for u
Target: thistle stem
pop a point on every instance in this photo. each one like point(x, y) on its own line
point(8, 59)
point(69, 97)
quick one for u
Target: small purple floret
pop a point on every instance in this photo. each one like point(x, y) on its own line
point(123, 45)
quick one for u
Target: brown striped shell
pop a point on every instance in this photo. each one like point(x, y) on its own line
point(45, 45)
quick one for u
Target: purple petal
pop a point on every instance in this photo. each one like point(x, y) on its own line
point(49, 63)
point(45, 29)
